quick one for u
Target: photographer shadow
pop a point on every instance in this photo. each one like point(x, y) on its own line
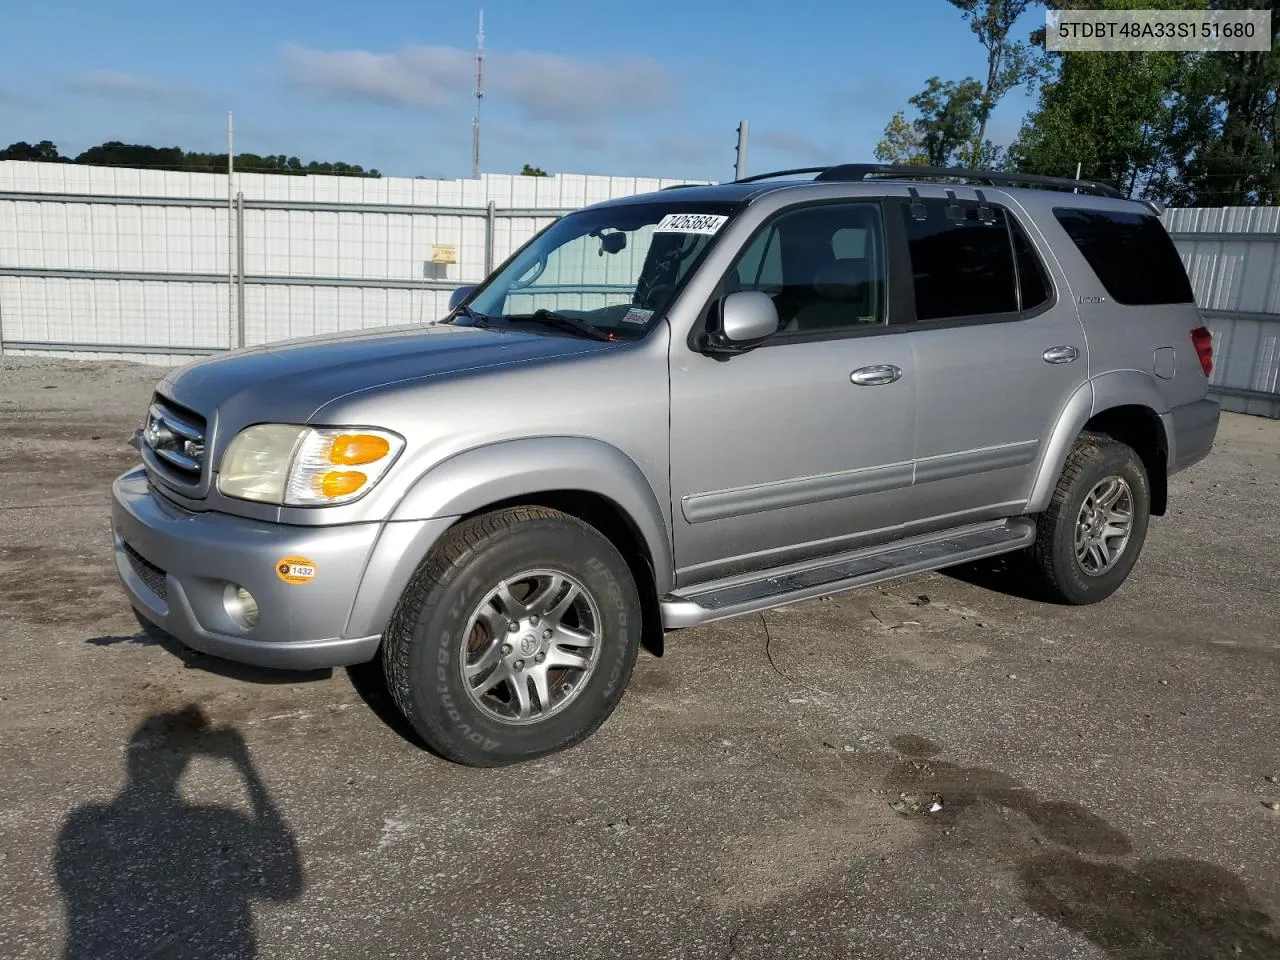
point(150, 874)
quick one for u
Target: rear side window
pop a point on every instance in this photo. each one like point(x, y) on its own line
point(1033, 283)
point(1131, 253)
point(962, 265)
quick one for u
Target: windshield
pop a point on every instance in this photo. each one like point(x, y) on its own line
point(614, 268)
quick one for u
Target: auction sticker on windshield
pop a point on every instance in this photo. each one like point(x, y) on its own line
point(708, 223)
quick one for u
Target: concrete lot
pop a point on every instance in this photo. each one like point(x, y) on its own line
point(1102, 770)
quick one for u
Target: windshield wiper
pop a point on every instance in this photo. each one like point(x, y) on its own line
point(559, 321)
point(478, 319)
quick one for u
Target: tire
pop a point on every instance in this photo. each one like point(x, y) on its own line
point(471, 585)
point(1068, 570)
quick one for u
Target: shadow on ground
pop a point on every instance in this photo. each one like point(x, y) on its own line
point(149, 635)
point(150, 874)
point(1080, 872)
point(1005, 574)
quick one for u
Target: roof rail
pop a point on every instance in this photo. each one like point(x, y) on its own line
point(781, 173)
point(991, 178)
point(681, 186)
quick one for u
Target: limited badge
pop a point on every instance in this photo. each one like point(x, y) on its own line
point(295, 570)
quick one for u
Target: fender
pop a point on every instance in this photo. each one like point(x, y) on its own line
point(1118, 389)
point(1075, 414)
point(472, 480)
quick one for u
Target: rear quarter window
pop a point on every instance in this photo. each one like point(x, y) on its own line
point(1131, 253)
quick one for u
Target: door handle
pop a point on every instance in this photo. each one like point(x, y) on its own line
point(876, 374)
point(1064, 354)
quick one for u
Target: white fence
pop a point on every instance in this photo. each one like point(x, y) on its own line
point(1233, 257)
point(105, 262)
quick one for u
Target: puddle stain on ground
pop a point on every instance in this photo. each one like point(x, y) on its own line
point(1068, 864)
point(48, 586)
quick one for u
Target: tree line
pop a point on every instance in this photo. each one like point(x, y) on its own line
point(1187, 129)
point(117, 154)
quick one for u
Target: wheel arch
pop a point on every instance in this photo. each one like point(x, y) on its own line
point(1126, 406)
point(583, 477)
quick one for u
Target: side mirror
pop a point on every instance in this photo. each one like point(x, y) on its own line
point(458, 296)
point(746, 317)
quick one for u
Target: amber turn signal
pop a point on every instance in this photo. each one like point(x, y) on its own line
point(353, 449)
point(340, 483)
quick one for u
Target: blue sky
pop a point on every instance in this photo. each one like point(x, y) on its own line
point(574, 86)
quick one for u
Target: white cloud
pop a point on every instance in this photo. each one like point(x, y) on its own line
point(543, 87)
point(418, 76)
point(555, 88)
point(114, 83)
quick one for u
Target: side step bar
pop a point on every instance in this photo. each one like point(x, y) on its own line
point(735, 596)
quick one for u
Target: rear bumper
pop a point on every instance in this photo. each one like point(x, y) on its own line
point(1191, 429)
point(176, 567)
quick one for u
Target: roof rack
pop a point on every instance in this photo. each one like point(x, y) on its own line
point(990, 178)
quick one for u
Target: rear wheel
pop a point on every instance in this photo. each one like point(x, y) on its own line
point(516, 637)
point(1089, 538)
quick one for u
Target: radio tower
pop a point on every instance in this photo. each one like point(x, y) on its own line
point(475, 122)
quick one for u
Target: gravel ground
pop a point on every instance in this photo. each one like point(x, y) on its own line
point(1103, 771)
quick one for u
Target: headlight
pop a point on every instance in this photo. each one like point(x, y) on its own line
point(306, 466)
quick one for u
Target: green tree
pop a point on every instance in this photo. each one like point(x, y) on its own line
point(1107, 114)
point(114, 153)
point(45, 152)
point(901, 143)
point(943, 129)
point(1010, 63)
point(1110, 114)
point(1225, 131)
point(528, 171)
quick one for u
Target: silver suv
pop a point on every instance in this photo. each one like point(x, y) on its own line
point(670, 409)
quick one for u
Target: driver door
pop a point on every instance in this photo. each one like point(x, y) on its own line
point(790, 451)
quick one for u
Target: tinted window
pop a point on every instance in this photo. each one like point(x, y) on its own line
point(962, 265)
point(823, 266)
point(1131, 253)
point(760, 267)
point(1033, 282)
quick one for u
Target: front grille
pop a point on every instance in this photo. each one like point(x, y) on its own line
point(148, 573)
point(175, 437)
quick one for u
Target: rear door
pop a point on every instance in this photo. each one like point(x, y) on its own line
point(998, 350)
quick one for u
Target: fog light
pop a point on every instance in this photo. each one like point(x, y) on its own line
point(240, 605)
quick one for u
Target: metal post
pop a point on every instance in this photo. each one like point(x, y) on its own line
point(239, 269)
point(489, 221)
point(740, 170)
point(231, 239)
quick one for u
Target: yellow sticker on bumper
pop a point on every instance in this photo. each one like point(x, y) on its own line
point(295, 570)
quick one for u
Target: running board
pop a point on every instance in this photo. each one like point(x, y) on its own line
point(819, 578)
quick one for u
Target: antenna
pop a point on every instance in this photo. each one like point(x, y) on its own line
point(475, 122)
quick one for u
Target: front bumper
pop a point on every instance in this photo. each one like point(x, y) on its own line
point(175, 566)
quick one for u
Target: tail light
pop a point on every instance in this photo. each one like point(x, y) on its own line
point(1203, 341)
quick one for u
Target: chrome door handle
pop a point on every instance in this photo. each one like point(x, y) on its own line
point(1063, 354)
point(876, 374)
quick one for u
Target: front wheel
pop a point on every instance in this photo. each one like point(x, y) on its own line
point(1089, 538)
point(515, 639)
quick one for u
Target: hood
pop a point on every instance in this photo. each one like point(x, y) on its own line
point(288, 381)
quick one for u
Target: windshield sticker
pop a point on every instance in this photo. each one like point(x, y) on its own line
point(637, 315)
point(708, 223)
